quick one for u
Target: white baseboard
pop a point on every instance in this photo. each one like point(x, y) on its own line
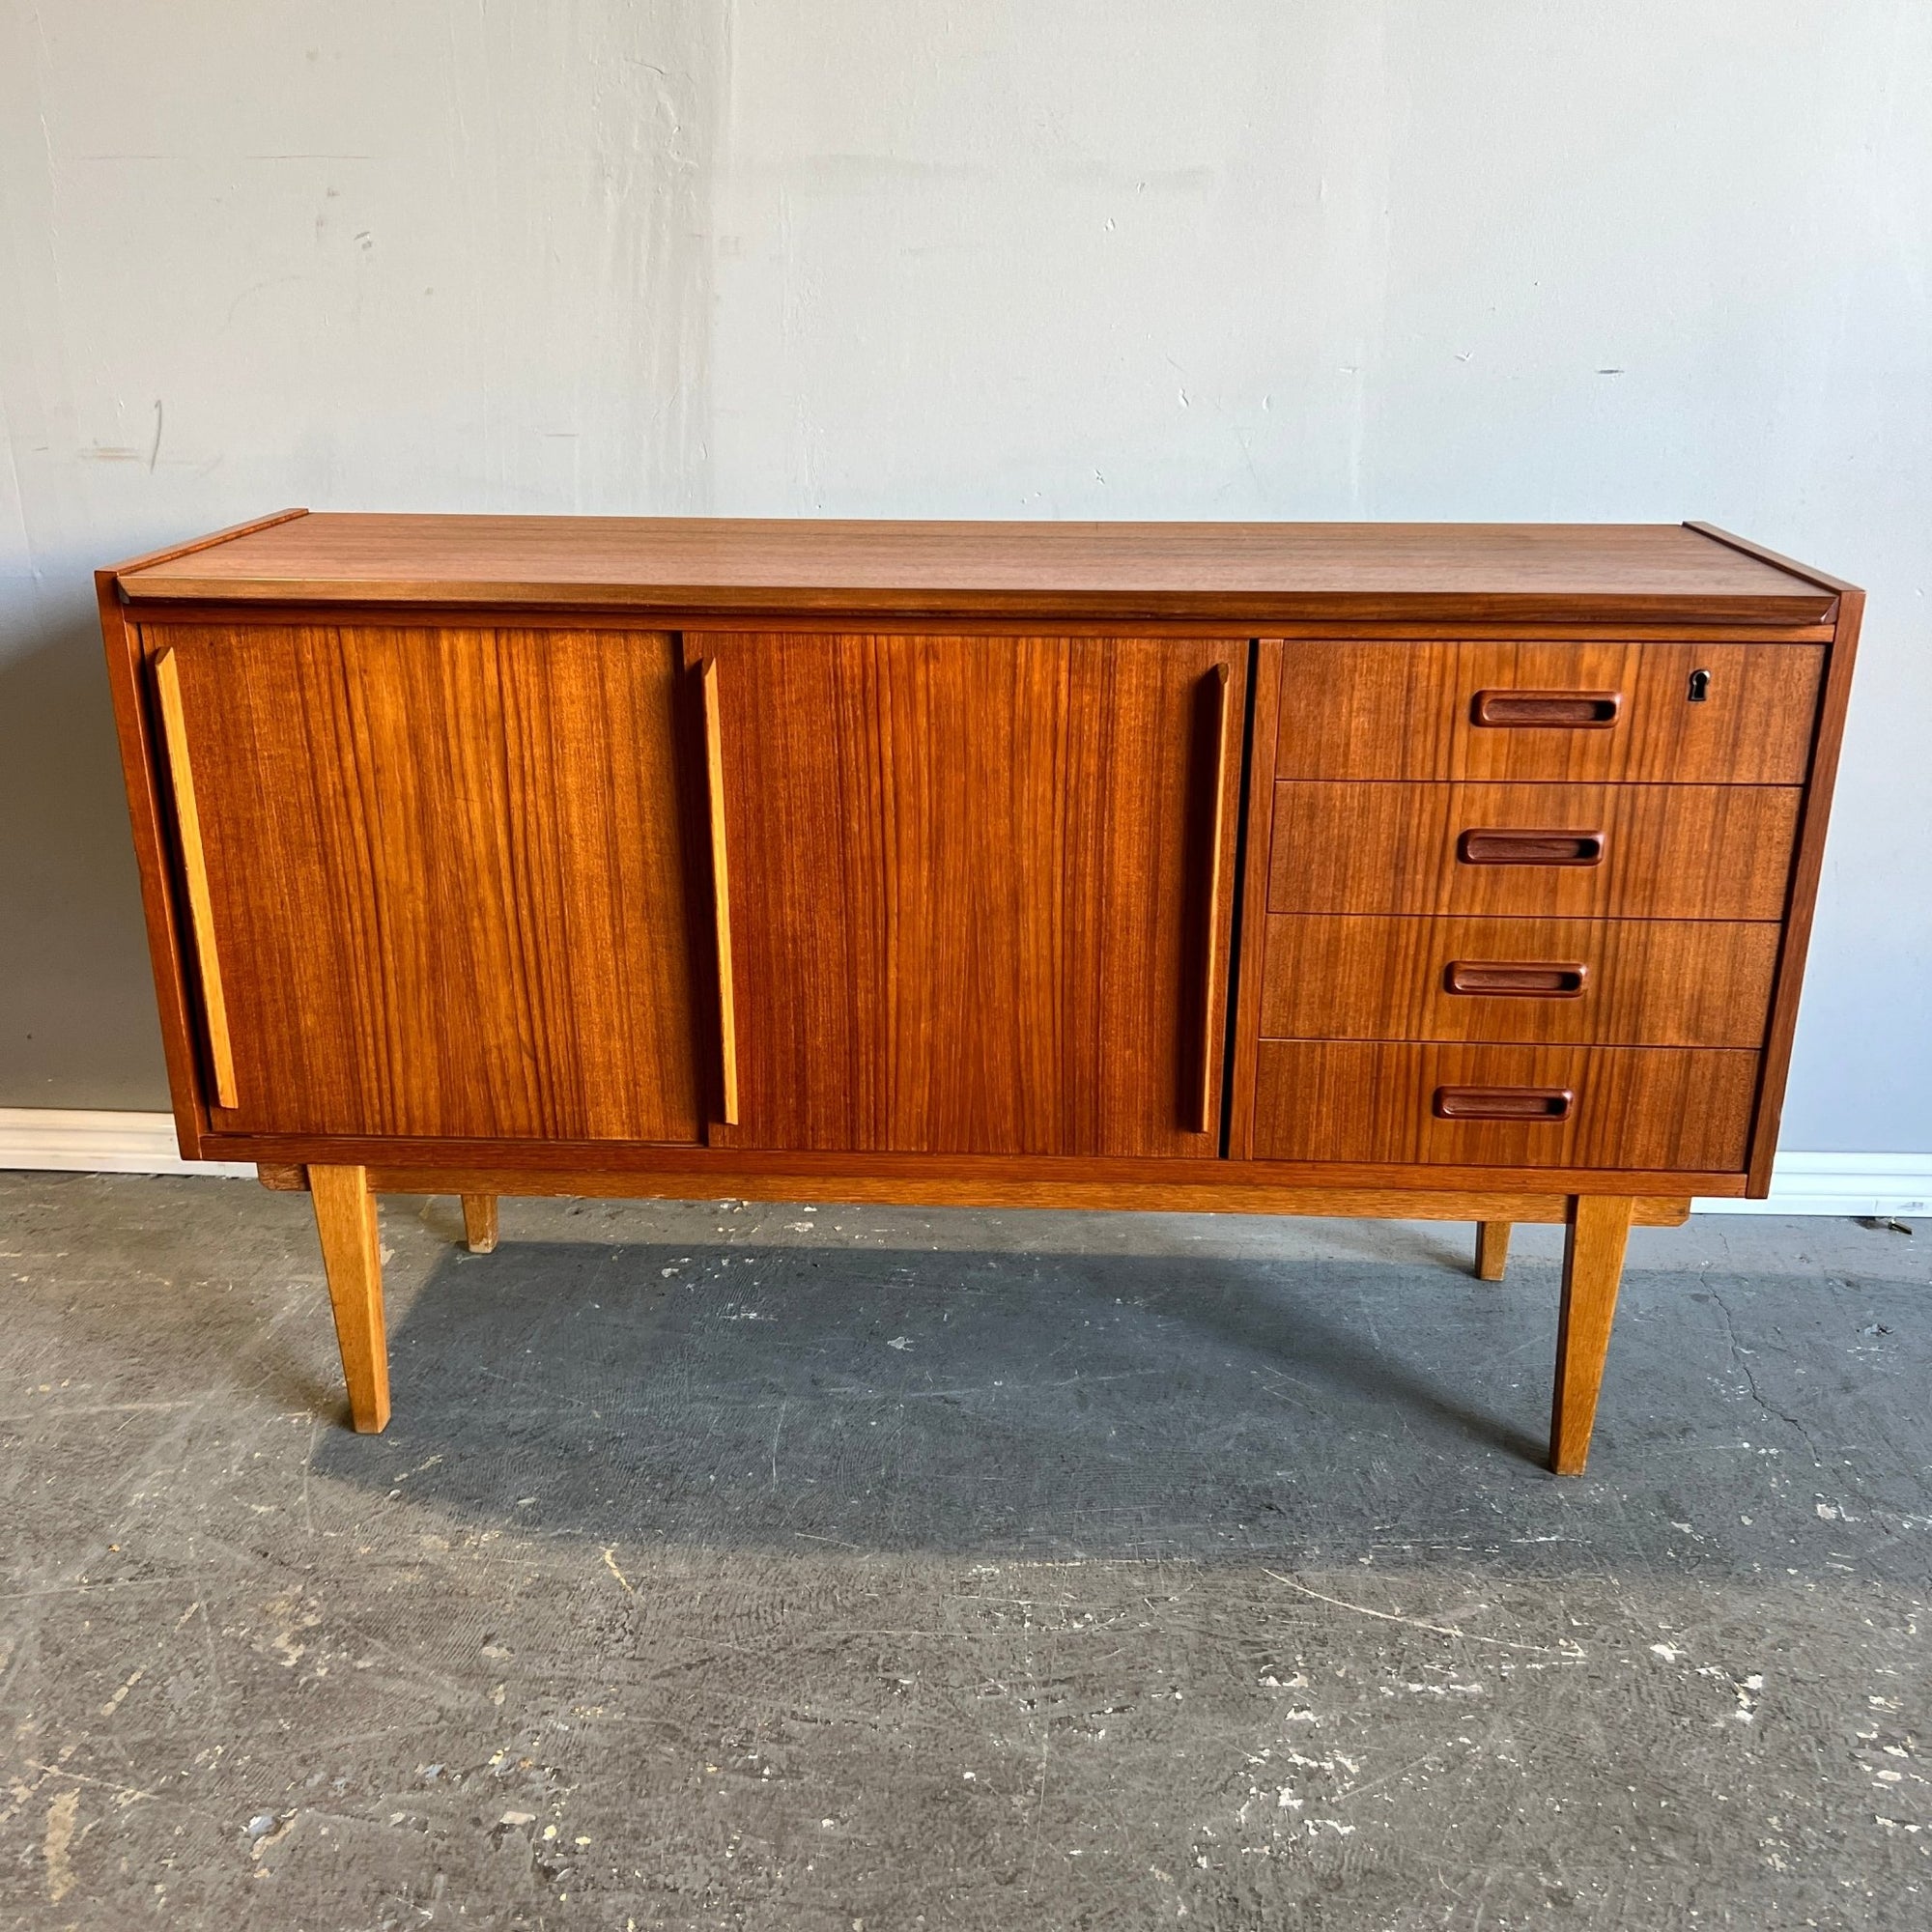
point(1841, 1184)
point(98, 1142)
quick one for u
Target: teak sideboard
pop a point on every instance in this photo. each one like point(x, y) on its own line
point(1451, 872)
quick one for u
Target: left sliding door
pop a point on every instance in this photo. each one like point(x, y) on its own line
point(436, 878)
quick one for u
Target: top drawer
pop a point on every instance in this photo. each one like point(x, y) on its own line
point(1533, 711)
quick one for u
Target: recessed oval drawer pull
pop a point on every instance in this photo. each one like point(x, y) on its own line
point(1539, 980)
point(1503, 1103)
point(1563, 710)
point(1509, 845)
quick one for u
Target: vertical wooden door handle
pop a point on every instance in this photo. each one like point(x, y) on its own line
point(195, 868)
point(1217, 773)
point(721, 894)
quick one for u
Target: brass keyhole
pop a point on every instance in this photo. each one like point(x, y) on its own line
point(1700, 687)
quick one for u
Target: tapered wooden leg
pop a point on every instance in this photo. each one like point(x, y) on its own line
point(479, 1222)
point(345, 1217)
point(1593, 1266)
point(1493, 1249)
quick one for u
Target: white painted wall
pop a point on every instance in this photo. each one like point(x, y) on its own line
point(1624, 259)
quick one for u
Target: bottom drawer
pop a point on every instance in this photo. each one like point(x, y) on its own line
point(1656, 1108)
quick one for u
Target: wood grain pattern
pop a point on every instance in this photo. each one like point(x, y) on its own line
point(1645, 983)
point(351, 1257)
point(1253, 571)
point(1803, 901)
point(194, 874)
point(1659, 1108)
point(721, 898)
point(1720, 852)
point(1408, 711)
point(968, 888)
point(1593, 1266)
point(449, 877)
point(1492, 1248)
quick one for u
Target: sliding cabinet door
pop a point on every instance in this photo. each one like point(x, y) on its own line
point(977, 889)
point(435, 879)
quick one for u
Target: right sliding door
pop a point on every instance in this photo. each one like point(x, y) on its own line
point(1522, 900)
point(974, 892)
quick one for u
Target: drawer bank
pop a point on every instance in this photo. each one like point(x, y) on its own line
point(1456, 872)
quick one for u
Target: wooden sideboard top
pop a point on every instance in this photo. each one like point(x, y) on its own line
point(1251, 573)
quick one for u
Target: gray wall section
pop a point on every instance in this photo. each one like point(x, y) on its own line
point(1484, 259)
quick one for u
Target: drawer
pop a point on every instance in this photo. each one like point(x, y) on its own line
point(1608, 983)
point(1656, 1108)
point(1629, 851)
point(1534, 711)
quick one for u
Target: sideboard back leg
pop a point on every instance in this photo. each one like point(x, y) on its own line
point(479, 1222)
point(1493, 1249)
point(345, 1217)
point(1593, 1266)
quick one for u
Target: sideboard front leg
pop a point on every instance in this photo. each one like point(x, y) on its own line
point(345, 1217)
point(1593, 1266)
point(479, 1222)
point(1493, 1249)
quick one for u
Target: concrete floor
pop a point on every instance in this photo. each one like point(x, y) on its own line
point(763, 1567)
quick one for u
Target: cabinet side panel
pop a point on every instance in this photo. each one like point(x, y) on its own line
point(1806, 871)
point(139, 746)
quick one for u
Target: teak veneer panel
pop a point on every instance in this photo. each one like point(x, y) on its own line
point(449, 879)
point(1645, 983)
point(1409, 711)
point(1720, 852)
point(1255, 572)
point(1659, 1108)
point(971, 882)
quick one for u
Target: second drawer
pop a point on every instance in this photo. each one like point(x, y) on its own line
point(1608, 982)
point(1632, 851)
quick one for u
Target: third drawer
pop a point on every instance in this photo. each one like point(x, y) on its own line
point(1591, 981)
point(1632, 851)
